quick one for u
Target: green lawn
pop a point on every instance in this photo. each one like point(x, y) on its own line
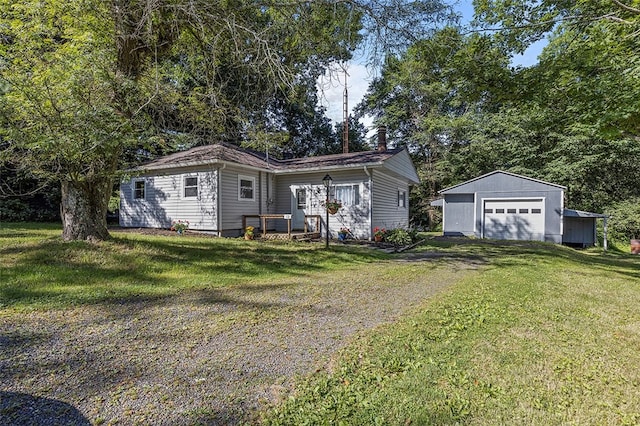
point(40, 271)
point(540, 334)
point(543, 335)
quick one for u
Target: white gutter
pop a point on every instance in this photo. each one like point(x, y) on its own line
point(323, 168)
point(179, 165)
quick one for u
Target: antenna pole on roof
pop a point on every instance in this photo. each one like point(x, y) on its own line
point(345, 113)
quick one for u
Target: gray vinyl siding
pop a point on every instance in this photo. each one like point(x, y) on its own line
point(580, 231)
point(401, 165)
point(232, 208)
point(386, 212)
point(458, 215)
point(356, 218)
point(165, 202)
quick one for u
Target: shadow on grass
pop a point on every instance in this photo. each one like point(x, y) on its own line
point(138, 268)
point(505, 254)
point(21, 409)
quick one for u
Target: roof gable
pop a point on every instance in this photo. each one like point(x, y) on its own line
point(498, 178)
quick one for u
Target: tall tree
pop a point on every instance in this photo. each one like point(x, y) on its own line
point(84, 81)
point(430, 98)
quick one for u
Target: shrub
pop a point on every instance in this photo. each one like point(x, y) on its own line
point(398, 237)
point(13, 210)
point(625, 219)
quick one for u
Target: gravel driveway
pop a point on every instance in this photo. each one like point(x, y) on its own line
point(213, 356)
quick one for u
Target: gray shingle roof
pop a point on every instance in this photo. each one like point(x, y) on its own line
point(221, 152)
point(208, 154)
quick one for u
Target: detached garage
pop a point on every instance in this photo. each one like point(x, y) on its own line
point(505, 206)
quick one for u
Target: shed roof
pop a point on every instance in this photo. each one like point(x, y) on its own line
point(580, 213)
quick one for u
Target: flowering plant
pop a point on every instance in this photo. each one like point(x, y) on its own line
point(179, 226)
point(379, 232)
point(248, 231)
point(333, 206)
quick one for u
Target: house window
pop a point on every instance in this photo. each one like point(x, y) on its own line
point(348, 195)
point(536, 211)
point(138, 189)
point(402, 198)
point(511, 211)
point(301, 198)
point(499, 210)
point(523, 211)
point(488, 210)
point(246, 187)
point(191, 187)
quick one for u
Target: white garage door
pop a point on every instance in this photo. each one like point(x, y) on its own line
point(514, 219)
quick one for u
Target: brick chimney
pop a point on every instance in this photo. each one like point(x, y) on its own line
point(382, 138)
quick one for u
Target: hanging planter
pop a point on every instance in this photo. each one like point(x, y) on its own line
point(333, 206)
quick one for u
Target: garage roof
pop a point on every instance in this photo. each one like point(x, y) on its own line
point(458, 188)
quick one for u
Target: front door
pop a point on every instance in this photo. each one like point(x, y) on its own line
point(299, 203)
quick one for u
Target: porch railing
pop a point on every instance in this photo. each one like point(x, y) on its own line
point(287, 217)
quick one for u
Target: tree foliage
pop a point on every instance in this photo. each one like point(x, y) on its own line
point(87, 86)
point(463, 110)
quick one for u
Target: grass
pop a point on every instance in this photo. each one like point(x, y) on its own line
point(40, 271)
point(544, 335)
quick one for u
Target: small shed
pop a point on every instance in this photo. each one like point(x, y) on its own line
point(580, 228)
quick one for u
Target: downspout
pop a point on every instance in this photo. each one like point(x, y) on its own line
point(219, 207)
point(260, 193)
point(366, 171)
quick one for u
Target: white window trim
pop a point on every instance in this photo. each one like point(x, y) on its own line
point(184, 185)
point(354, 186)
point(133, 189)
point(406, 196)
point(253, 185)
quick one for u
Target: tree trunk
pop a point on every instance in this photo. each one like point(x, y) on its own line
point(84, 209)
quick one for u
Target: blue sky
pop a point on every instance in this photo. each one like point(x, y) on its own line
point(360, 76)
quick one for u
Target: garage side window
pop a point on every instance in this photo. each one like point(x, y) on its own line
point(191, 186)
point(402, 198)
point(246, 187)
point(138, 190)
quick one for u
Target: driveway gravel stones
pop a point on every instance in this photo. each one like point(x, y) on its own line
point(211, 356)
